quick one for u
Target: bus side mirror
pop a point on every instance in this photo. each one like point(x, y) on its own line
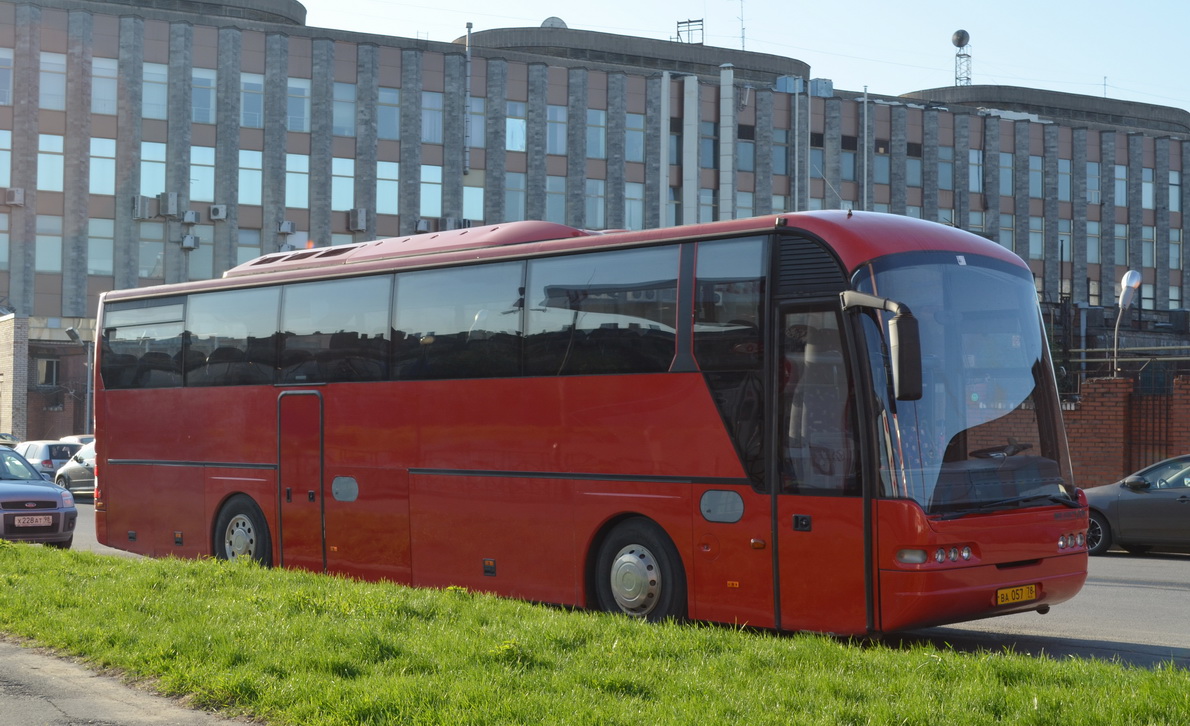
point(905, 348)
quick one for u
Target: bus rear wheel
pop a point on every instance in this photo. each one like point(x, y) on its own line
point(241, 531)
point(639, 573)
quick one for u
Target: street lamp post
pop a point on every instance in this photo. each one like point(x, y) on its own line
point(1128, 285)
point(87, 347)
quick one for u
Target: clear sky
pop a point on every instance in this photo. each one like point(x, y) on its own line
point(1133, 50)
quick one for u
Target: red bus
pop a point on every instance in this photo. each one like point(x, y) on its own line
point(818, 421)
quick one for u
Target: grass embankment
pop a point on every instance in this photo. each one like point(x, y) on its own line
point(296, 648)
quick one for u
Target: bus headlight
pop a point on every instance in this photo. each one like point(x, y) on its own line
point(911, 557)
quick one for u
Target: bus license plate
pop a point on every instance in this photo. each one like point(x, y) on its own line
point(1012, 595)
point(35, 520)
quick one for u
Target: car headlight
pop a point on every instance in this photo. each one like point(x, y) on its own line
point(67, 498)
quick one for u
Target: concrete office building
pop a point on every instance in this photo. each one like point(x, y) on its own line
point(149, 142)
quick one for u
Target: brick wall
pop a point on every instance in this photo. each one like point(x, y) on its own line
point(1097, 430)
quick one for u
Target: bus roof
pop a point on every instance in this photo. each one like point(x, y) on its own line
point(855, 237)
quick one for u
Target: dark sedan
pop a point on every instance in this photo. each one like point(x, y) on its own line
point(1145, 511)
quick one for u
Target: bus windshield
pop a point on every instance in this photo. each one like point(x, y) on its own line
point(986, 433)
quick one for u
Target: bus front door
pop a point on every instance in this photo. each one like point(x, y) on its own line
point(299, 461)
point(819, 523)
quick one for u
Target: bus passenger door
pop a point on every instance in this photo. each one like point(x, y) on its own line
point(299, 461)
point(819, 523)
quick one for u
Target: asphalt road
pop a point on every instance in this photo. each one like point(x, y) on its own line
point(1132, 610)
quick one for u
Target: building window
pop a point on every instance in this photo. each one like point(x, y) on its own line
point(1093, 292)
point(1094, 188)
point(251, 176)
point(477, 122)
point(342, 184)
point(881, 163)
point(1036, 238)
point(1036, 177)
point(1064, 181)
point(515, 124)
point(50, 162)
point(46, 371)
point(1007, 231)
point(343, 110)
point(673, 207)
point(431, 191)
point(555, 130)
point(946, 168)
point(780, 152)
point(975, 171)
point(202, 173)
point(5, 76)
point(388, 114)
point(248, 247)
point(706, 205)
point(1121, 185)
point(634, 137)
point(101, 245)
point(473, 203)
point(152, 250)
point(1147, 192)
point(1175, 191)
point(251, 100)
point(3, 241)
point(103, 166)
point(745, 205)
point(297, 181)
point(200, 261)
point(1175, 297)
point(1093, 243)
point(1065, 230)
point(596, 204)
point(53, 81)
point(555, 199)
point(155, 91)
point(104, 87)
point(514, 196)
point(1006, 171)
point(780, 203)
point(708, 145)
point(47, 250)
point(431, 117)
point(596, 133)
point(152, 168)
point(1147, 296)
point(202, 95)
point(1148, 246)
point(975, 222)
point(1121, 244)
point(634, 205)
point(297, 105)
point(1175, 248)
point(388, 187)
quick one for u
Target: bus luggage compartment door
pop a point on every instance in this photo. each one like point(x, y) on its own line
point(299, 463)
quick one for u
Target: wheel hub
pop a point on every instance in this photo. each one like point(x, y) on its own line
point(635, 580)
point(241, 541)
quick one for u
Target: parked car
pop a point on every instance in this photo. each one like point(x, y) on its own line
point(33, 509)
point(79, 438)
point(1147, 510)
point(9, 440)
point(47, 456)
point(78, 474)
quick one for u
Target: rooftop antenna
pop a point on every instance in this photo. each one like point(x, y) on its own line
point(742, 34)
point(962, 59)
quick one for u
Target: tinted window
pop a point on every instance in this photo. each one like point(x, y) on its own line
point(730, 293)
point(142, 345)
point(459, 323)
point(232, 338)
point(606, 312)
point(336, 330)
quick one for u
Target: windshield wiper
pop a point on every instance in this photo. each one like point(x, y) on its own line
point(1053, 498)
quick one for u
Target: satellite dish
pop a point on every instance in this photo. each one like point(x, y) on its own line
point(553, 22)
point(960, 38)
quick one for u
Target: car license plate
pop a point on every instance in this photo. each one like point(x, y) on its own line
point(1012, 595)
point(33, 520)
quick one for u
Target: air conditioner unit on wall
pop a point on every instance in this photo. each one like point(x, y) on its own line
point(14, 197)
point(357, 220)
point(140, 207)
point(189, 241)
point(217, 211)
point(167, 204)
point(190, 216)
point(286, 227)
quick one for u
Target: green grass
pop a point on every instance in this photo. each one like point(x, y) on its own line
point(290, 647)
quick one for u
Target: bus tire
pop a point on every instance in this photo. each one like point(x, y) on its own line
point(241, 531)
point(639, 573)
point(1098, 534)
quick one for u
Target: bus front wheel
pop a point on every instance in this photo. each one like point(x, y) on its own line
point(639, 573)
point(240, 531)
